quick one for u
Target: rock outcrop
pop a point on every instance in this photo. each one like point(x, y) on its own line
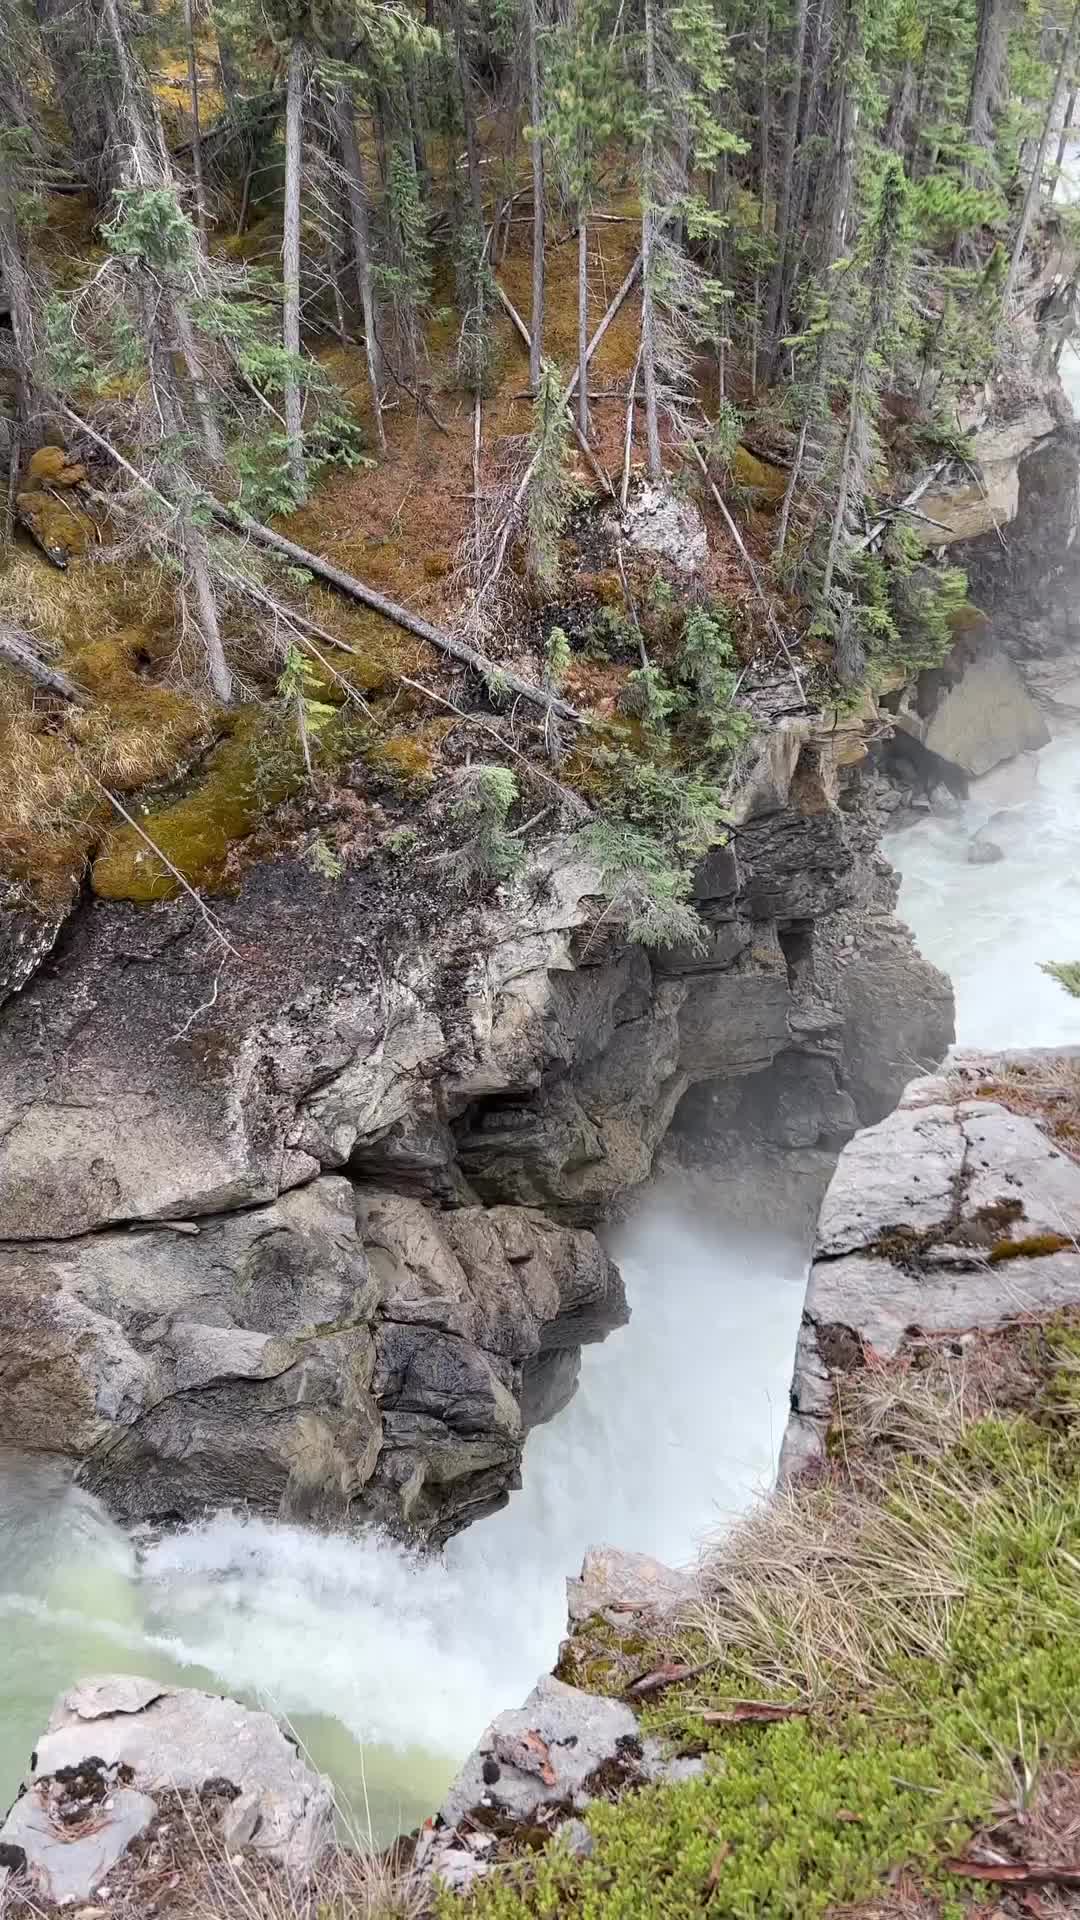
point(956, 1212)
point(306, 1225)
point(115, 1745)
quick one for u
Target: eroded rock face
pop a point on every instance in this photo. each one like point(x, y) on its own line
point(953, 1213)
point(310, 1231)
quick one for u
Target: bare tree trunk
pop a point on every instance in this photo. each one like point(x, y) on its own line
point(583, 322)
point(536, 350)
point(787, 182)
point(841, 498)
point(353, 166)
point(82, 102)
point(290, 322)
point(648, 243)
point(196, 556)
point(185, 334)
point(1035, 183)
point(196, 129)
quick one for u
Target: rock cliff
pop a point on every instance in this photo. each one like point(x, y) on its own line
point(307, 1224)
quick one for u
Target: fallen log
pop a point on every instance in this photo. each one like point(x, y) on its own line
point(354, 589)
point(17, 650)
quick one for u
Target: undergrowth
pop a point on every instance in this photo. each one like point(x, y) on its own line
point(919, 1610)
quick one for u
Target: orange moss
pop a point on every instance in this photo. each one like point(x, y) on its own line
point(60, 530)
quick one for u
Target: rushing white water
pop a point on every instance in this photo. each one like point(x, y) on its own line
point(388, 1668)
point(990, 926)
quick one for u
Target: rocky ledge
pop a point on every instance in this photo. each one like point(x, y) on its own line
point(960, 1211)
point(306, 1225)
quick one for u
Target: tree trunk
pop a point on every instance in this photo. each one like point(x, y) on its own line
point(787, 182)
point(986, 73)
point(195, 553)
point(353, 167)
point(80, 99)
point(468, 104)
point(196, 129)
point(583, 322)
point(536, 350)
point(1035, 183)
point(290, 254)
point(1066, 130)
point(648, 245)
point(185, 334)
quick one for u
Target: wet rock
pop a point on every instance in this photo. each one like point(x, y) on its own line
point(982, 715)
point(177, 1739)
point(983, 852)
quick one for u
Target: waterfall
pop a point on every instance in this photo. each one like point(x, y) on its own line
point(387, 1667)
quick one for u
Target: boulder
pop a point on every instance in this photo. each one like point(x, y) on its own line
point(71, 1833)
point(156, 1740)
point(541, 1755)
point(953, 1213)
point(629, 1582)
point(981, 718)
point(984, 852)
point(664, 523)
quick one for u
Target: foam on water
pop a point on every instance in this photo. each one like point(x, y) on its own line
point(388, 1667)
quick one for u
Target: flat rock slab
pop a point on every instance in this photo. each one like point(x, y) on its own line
point(1010, 1158)
point(904, 1173)
point(542, 1754)
point(67, 1864)
point(175, 1738)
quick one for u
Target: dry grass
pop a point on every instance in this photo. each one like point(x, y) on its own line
point(1044, 1090)
point(827, 1586)
point(182, 1869)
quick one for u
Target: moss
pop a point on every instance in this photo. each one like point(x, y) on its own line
point(60, 529)
point(768, 482)
point(247, 774)
point(1032, 1247)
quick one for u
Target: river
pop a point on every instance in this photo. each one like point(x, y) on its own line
point(389, 1668)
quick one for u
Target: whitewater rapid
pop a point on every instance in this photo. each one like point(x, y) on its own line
point(389, 1668)
point(991, 926)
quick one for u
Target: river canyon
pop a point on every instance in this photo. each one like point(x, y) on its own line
point(386, 1665)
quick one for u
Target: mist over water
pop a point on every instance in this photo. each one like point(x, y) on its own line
point(390, 1668)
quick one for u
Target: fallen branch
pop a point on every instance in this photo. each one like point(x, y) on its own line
point(909, 500)
point(213, 924)
point(762, 1713)
point(773, 623)
point(593, 463)
point(354, 589)
point(17, 650)
point(1015, 1873)
point(671, 1674)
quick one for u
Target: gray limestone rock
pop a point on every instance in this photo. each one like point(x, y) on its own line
point(543, 1754)
point(66, 1863)
point(613, 1577)
point(662, 522)
point(176, 1739)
